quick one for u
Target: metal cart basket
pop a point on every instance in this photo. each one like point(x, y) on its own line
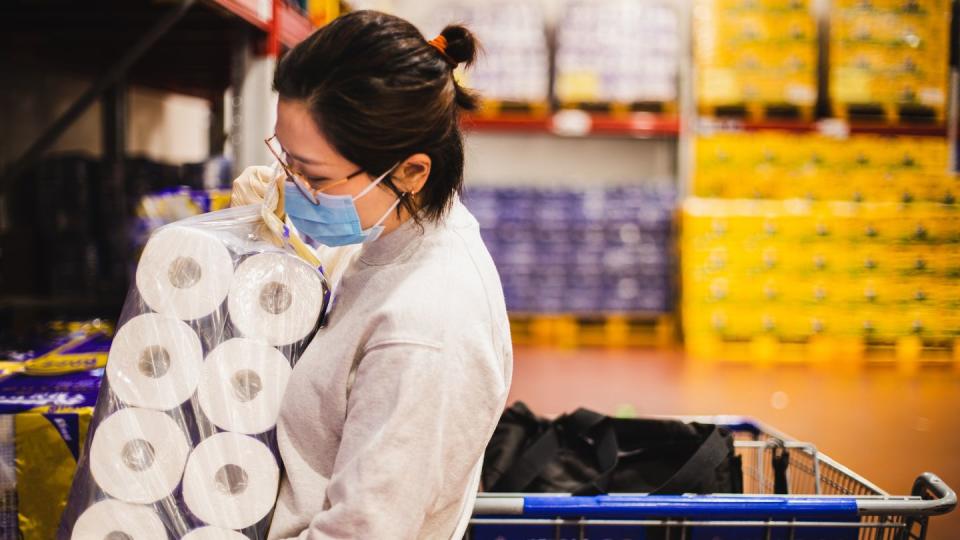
point(825, 501)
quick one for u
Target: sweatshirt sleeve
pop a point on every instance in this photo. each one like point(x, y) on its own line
point(400, 425)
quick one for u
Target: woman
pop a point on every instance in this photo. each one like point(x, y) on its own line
point(386, 417)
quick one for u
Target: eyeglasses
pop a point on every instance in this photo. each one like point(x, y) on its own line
point(307, 185)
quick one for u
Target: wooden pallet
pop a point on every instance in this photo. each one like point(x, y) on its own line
point(759, 112)
point(600, 330)
point(493, 107)
point(907, 353)
point(889, 113)
point(620, 108)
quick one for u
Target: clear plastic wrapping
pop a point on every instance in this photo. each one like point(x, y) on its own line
point(182, 443)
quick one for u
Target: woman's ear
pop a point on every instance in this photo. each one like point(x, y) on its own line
point(412, 173)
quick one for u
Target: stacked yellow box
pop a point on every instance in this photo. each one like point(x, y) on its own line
point(781, 165)
point(793, 269)
point(890, 57)
point(755, 53)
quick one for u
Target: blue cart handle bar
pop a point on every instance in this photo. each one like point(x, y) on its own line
point(720, 506)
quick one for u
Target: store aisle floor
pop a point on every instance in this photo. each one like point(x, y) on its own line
point(883, 424)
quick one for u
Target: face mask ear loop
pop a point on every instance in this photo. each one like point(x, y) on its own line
point(387, 213)
point(375, 182)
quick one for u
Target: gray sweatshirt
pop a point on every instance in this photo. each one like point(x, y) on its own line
point(389, 409)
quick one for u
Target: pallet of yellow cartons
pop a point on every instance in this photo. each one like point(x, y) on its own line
point(862, 168)
point(755, 60)
point(889, 63)
point(864, 279)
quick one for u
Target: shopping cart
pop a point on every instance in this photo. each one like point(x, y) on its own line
point(824, 501)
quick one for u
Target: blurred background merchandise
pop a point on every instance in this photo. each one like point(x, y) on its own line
point(758, 57)
point(696, 206)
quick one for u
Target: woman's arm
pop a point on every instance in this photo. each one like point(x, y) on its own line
point(408, 433)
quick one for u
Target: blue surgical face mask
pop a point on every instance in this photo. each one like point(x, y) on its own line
point(333, 220)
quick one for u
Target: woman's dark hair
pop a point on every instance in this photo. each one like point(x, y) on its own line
point(380, 93)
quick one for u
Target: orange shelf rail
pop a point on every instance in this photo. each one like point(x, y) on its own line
point(292, 26)
point(577, 124)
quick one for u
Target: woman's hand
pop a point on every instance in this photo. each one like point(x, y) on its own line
point(252, 185)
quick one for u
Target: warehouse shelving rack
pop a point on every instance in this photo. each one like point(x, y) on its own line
point(198, 48)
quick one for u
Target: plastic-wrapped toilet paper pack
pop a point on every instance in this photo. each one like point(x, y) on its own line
point(182, 443)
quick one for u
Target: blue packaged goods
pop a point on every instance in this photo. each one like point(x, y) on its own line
point(580, 250)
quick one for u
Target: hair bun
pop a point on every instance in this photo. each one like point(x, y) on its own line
point(461, 45)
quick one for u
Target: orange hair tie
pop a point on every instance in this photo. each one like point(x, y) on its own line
point(440, 44)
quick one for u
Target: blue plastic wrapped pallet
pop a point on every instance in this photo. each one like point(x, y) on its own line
point(580, 251)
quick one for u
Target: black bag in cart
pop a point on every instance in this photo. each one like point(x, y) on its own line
point(587, 453)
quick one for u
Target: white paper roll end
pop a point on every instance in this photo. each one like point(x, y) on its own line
point(155, 362)
point(275, 297)
point(138, 455)
point(231, 481)
point(184, 272)
point(242, 385)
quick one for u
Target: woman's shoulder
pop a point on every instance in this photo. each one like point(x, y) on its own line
point(437, 299)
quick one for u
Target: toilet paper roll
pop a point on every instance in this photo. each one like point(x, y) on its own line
point(155, 362)
point(213, 533)
point(242, 385)
point(109, 519)
point(275, 297)
point(184, 272)
point(231, 481)
point(138, 455)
